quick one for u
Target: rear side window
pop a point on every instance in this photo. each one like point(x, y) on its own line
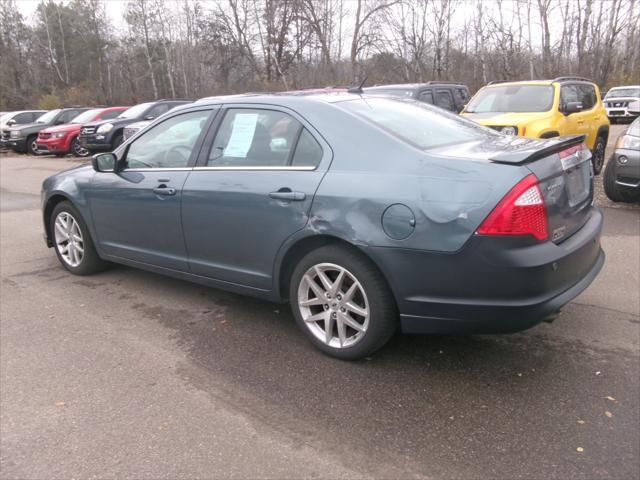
point(444, 100)
point(426, 97)
point(308, 151)
point(417, 123)
point(254, 138)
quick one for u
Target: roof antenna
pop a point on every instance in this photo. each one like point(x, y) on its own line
point(358, 89)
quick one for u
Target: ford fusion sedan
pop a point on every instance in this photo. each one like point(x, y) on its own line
point(366, 213)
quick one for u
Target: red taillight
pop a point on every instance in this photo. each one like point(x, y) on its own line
point(520, 212)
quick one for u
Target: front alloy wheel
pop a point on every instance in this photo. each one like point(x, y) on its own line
point(68, 238)
point(78, 150)
point(333, 305)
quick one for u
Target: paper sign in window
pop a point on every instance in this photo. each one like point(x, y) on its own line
point(244, 128)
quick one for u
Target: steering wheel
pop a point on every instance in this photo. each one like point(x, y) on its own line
point(177, 156)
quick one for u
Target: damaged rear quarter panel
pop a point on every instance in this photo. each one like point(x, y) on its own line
point(449, 198)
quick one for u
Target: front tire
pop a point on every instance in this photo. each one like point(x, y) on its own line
point(78, 150)
point(32, 145)
point(597, 158)
point(342, 302)
point(72, 242)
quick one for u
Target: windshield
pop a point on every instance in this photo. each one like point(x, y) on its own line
point(135, 111)
point(416, 123)
point(87, 116)
point(623, 92)
point(48, 117)
point(512, 98)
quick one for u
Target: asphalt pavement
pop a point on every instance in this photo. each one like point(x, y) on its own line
point(128, 374)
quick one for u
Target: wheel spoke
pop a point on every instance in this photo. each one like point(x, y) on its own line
point(342, 332)
point(355, 309)
point(322, 316)
point(351, 322)
point(349, 293)
point(337, 285)
point(328, 329)
point(314, 286)
point(311, 301)
point(60, 233)
point(326, 283)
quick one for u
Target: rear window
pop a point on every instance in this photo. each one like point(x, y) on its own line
point(417, 123)
point(512, 98)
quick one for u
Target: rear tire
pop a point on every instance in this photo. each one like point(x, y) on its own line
point(72, 241)
point(613, 191)
point(358, 308)
point(597, 158)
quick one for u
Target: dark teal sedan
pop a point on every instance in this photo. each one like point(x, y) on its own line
point(366, 213)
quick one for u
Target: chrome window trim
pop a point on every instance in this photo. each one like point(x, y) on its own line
point(284, 168)
point(158, 169)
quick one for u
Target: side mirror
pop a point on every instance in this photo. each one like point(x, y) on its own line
point(59, 122)
point(572, 107)
point(10, 122)
point(104, 162)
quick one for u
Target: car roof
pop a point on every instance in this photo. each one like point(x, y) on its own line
point(290, 99)
point(408, 86)
point(624, 86)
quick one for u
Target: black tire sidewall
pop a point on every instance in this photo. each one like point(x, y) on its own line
point(91, 262)
point(31, 141)
point(598, 168)
point(383, 317)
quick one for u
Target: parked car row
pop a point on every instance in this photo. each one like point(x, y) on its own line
point(77, 130)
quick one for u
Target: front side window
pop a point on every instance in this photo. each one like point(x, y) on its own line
point(168, 144)
point(86, 116)
point(570, 93)
point(49, 116)
point(417, 123)
point(426, 97)
point(110, 114)
point(158, 110)
point(26, 117)
point(254, 138)
point(135, 111)
point(512, 98)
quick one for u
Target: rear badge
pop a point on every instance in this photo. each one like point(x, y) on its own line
point(558, 233)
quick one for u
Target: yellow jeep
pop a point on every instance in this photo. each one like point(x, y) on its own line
point(544, 109)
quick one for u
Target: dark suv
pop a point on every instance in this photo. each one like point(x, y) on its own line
point(22, 138)
point(451, 96)
point(106, 135)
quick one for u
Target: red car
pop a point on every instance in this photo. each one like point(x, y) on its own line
point(62, 139)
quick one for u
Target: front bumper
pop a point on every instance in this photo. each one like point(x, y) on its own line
point(52, 145)
point(493, 284)
point(621, 112)
point(627, 174)
point(17, 144)
point(95, 142)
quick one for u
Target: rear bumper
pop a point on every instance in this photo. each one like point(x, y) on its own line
point(492, 285)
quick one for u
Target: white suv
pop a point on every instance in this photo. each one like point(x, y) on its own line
point(622, 102)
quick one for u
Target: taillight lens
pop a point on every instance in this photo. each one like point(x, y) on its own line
point(520, 212)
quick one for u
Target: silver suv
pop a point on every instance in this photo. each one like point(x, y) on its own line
point(622, 102)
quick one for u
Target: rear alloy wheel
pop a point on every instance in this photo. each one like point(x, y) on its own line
point(598, 155)
point(72, 241)
point(77, 149)
point(342, 303)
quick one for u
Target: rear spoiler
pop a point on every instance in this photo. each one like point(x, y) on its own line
point(537, 149)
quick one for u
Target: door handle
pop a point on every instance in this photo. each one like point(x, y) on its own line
point(164, 191)
point(288, 195)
